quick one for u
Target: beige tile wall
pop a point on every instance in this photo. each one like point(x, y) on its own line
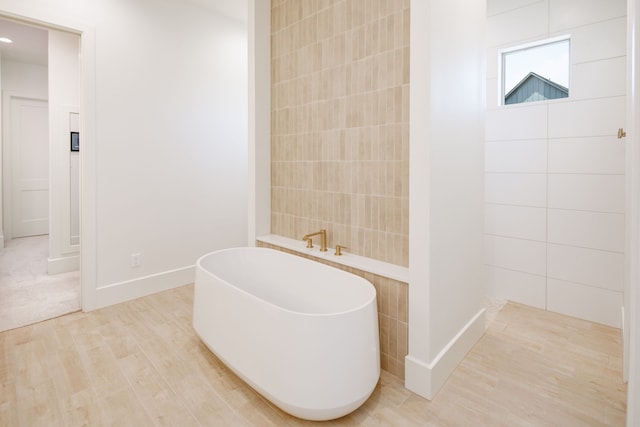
point(340, 123)
point(393, 306)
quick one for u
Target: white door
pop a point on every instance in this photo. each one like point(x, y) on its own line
point(29, 167)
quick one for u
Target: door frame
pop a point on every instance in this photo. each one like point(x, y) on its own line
point(7, 159)
point(631, 311)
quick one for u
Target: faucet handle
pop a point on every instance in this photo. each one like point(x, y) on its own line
point(309, 242)
point(339, 249)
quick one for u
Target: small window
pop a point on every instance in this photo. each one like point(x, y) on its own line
point(536, 72)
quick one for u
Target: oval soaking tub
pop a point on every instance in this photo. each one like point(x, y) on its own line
point(301, 333)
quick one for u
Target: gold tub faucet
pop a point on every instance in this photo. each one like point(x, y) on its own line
point(323, 239)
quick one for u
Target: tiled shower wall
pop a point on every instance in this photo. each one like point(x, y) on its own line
point(555, 169)
point(393, 316)
point(340, 123)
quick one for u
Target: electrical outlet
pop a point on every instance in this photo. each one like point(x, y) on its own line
point(135, 260)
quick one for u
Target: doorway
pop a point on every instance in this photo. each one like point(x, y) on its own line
point(39, 276)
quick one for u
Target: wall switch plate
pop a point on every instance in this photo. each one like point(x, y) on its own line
point(135, 260)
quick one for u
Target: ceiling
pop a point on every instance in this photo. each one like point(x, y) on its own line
point(29, 43)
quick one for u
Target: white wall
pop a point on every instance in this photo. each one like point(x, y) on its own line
point(28, 80)
point(1, 182)
point(259, 221)
point(164, 119)
point(74, 184)
point(554, 169)
point(172, 166)
point(446, 289)
point(64, 100)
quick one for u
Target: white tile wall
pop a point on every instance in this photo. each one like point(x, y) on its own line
point(523, 121)
point(584, 302)
point(493, 62)
point(567, 14)
point(516, 189)
point(592, 267)
point(606, 39)
point(521, 23)
point(598, 79)
point(554, 181)
point(516, 286)
point(493, 95)
point(600, 193)
point(597, 155)
point(593, 230)
point(522, 222)
point(516, 156)
point(495, 7)
point(592, 117)
point(525, 256)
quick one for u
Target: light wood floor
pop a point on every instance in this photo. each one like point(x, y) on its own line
point(140, 363)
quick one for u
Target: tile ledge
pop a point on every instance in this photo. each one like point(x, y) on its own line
point(380, 268)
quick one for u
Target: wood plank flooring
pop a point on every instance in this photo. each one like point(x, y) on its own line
point(141, 364)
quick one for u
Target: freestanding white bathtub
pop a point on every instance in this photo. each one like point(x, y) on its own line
point(301, 333)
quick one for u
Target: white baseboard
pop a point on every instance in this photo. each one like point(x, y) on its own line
point(143, 286)
point(426, 379)
point(63, 265)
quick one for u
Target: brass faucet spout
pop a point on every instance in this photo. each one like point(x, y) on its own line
point(323, 239)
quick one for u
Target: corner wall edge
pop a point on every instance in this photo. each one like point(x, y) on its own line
point(426, 379)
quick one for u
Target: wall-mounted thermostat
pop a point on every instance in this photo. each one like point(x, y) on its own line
point(75, 141)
